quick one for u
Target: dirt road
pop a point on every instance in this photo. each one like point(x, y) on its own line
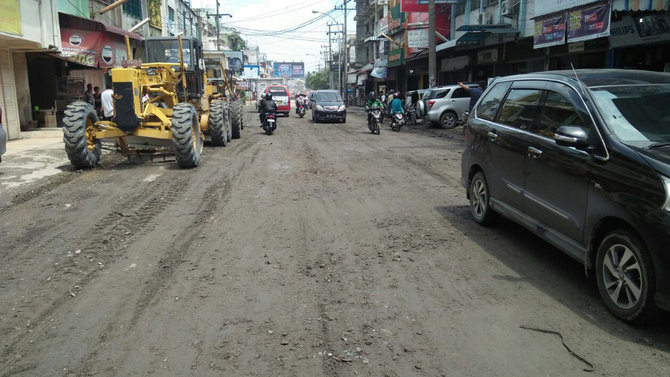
point(321, 250)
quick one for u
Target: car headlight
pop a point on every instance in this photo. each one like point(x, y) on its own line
point(666, 184)
point(319, 107)
point(342, 108)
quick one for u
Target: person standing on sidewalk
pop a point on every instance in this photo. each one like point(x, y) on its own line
point(88, 96)
point(107, 100)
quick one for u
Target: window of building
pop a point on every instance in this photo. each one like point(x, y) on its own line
point(133, 8)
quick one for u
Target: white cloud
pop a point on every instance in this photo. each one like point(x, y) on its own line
point(252, 17)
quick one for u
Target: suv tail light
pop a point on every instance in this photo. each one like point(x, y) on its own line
point(430, 104)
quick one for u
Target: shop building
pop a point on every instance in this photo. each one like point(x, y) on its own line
point(24, 26)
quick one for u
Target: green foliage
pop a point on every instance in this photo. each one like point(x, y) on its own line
point(317, 80)
point(235, 41)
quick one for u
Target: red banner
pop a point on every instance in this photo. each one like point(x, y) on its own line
point(93, 48)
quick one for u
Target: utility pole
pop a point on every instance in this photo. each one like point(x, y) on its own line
point(432, 69)
point(217, 15)
point(346, 53)
point(330, 60)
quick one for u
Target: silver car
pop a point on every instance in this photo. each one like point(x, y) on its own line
point(445, 105)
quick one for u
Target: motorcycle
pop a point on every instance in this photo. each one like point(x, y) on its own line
point(270, 123)
point(375, 119)
point(411, 115)
point(301, 110)
point(397, 121)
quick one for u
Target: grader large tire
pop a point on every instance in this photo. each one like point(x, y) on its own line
point(236, 119)
point(226, 119)
point(186, 136)
point(217, 125)
point(81, 147)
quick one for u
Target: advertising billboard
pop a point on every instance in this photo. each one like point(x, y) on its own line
point(251, 72)
point(235, 62)
point(289, 69)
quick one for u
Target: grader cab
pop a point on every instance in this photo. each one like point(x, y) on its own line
point(157, 104)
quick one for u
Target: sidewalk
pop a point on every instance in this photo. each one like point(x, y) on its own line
point(28, 161)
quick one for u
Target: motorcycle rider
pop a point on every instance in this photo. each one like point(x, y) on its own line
point(372, 100)
point(267, 106)
point(299, 100)
point(396, 104)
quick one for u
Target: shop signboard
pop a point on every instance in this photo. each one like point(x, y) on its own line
point(93, 48)
point(629, 31)
point(396, 57)
point(396, 19)
point(545, 7)
point(235, 61)
point(154, 10)
point(425, 2)
point(417, 38)
point(549, 31)
point(454, 64)
point(487, 56)
point(384, 25)
point(251, 72)
point(10, 16)
point(589, 23)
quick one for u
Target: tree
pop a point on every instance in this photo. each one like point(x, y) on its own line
point(235, 41)
point(317, 80)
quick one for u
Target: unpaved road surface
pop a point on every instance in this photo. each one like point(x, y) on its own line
point(321, 250)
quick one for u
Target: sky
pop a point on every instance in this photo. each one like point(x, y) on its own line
point(259, 20)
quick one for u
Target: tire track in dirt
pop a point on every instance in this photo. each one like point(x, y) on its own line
point(212, 198)
point(108, 239)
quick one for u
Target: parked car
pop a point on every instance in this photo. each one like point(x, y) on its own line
point(328, 105)
point(445, 105)
point(3, 138)
point(584, 164)
point(281, 96)
point(420, 109)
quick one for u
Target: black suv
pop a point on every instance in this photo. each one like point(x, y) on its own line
point(581, 159)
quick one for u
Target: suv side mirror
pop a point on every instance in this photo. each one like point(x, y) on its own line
point(572, 136)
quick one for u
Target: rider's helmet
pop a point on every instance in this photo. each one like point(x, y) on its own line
point(371, 95)
point(268, 96)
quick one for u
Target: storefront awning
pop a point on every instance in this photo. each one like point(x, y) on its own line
point(366, 68)
point(91, 43)
point(494, 29)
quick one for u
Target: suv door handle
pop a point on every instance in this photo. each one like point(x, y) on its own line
point(534, 152)
point(492, 136)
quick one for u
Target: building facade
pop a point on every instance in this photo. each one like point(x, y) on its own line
point(481, 39)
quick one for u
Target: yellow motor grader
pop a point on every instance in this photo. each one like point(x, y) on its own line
point(162, 102)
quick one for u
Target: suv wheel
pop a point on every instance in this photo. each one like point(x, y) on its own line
point(625, 276)
point(448, 120)
point(480, 205)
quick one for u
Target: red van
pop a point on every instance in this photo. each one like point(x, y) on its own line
point(281, 96)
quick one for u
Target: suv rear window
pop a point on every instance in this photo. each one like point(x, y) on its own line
point(488, 107)
point(277, 91)
point(328, 97)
